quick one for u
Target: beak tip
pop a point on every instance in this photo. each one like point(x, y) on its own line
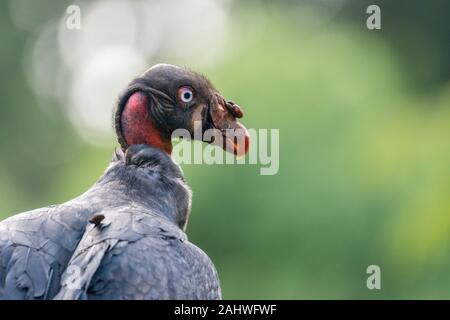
point(241, 148)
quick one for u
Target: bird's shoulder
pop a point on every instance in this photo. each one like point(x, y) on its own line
point(36, 228)
point(155, 268)
point(128, 224)
point(137, 254)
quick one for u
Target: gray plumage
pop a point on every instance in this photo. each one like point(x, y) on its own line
point(137, 249)
point(124, 238)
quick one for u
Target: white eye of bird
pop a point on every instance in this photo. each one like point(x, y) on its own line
point(185, 94)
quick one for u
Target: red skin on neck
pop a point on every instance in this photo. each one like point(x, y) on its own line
point(138, 127)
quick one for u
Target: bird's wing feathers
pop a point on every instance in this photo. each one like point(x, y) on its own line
point(78, 275)
point(28, 259)
point(138, 256)
point(35, 247)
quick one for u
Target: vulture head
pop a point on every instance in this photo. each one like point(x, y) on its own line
point(166, 98)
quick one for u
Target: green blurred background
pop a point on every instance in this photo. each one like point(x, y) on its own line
point(364, 123)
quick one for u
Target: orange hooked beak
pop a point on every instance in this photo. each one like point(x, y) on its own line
point(233, 136)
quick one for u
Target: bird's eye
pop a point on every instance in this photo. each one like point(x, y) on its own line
point(185, 94)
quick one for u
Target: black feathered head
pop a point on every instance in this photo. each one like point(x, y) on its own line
point(166, 98)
